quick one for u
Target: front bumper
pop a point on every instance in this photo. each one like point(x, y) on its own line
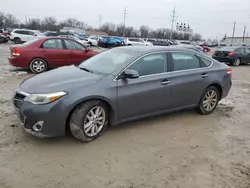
point(52, 116)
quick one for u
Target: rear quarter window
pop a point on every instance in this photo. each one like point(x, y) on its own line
point(205, 61)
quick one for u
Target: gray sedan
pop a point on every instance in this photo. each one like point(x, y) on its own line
point(119, 85)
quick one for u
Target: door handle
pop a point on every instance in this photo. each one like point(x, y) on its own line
point(165, 82)
point(204, 75)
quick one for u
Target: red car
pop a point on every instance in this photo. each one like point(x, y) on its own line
point(206, 48)
point(42, 53)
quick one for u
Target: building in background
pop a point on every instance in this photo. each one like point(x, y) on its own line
point(236, 41)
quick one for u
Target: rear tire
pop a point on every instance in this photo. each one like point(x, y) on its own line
point(38, 66)
point(87, 123)
point(17, 41)
point(209, 101)
point(236, 62)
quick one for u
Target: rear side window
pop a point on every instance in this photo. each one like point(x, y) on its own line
point(53, 44)
point(205, 61)
point(184, 61)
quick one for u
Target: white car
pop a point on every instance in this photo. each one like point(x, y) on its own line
point(93, 41)
point(137, 42)
point(19, 36)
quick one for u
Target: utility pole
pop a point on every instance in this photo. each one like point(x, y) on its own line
point(124, 21)
point(100, 21)
point(233, 34)
point(244, 33)
point(173, 16)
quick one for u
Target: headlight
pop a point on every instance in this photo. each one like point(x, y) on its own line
point(44, 98)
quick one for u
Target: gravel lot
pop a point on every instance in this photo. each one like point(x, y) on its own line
point(180, 149)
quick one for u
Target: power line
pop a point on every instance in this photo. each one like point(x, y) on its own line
point(124, 20)
point(233, 33)
point(173, 16)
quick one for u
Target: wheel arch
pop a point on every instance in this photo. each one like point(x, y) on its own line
point(33, 58)
point(218, 86)
point(111, 111)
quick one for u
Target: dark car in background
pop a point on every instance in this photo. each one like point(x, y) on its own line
point(119, 85)
point(49, 52)
point(158, 42)
point(3, 38)
point(109, 42)
point(233, 55)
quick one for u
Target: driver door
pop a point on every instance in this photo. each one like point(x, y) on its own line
point(147, 94)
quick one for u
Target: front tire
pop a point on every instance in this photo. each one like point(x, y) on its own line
point(38, 66)
point(89, 120)
point(209, 101)
point(236, 62)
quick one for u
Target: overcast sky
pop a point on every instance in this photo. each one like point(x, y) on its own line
point(211, 18)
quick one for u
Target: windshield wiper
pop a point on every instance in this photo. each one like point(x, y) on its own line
point(85, 69)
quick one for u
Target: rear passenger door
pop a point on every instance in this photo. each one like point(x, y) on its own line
point(189, 78)
point(247, 50)
point(54, 53)
point(242, 54)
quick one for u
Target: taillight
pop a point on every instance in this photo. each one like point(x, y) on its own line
point(229, 72)
point(15, 52)
point(231, 54)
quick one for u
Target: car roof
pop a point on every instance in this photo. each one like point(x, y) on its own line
point(149, 49)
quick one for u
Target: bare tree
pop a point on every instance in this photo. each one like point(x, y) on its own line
point(49, 23)
point(34, 24)
point(2, 20)
point(196, 37)
point(10, 21)
point(119, 30)
point(144, 31)
point(109, 28)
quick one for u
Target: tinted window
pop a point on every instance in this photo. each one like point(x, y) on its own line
point(206, 62)
point(30, 33)
point(53, 44)
point(71, 45)
point(19, 32)
point(184, 61)
point(150, 64)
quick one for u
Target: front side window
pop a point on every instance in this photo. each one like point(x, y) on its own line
point(53, 44)
point(150, 64)
point(184, 61)
point(72, 45)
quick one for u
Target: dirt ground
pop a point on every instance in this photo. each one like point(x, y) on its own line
point(176, 150)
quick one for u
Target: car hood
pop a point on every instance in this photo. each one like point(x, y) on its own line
point(60, 79)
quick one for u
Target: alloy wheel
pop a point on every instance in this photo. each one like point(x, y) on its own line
point(38, 66)
point(94, 121)
point(210, 100)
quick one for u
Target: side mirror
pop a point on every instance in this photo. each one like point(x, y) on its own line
point(35, 35)
point(129, 73)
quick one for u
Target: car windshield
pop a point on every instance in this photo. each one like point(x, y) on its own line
point(227, 49)
point(107, 62)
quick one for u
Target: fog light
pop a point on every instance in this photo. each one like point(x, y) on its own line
point(38, 126)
